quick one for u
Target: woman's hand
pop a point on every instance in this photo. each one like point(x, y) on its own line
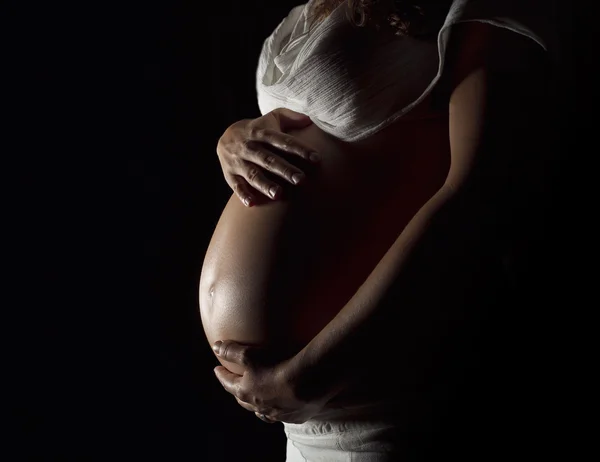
point(267, 389)
point(245, 151)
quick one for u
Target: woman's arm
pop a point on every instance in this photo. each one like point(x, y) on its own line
point(412, 293)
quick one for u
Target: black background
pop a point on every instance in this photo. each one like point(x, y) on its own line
point(113, 191)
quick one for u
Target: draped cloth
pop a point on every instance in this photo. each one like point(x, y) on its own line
point(353, 81)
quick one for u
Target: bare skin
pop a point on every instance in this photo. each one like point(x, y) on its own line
point(496, 121)
point(277, 273)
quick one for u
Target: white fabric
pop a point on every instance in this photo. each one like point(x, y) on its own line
point(351, 81)
point(375, 440)
point(352, 84)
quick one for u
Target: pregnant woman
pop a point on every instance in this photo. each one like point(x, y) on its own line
point(317, 297)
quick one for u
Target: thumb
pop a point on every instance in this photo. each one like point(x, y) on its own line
point(291, 119)
point(233, 352)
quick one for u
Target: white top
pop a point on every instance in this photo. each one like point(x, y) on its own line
point(353, 82)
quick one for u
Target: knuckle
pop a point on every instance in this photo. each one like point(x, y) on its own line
point(237, 163)
point(288, 172)
point(292, 141)
point(256, 132)
point(246, 144)
point(253, 173)
point(273, 116)
point(225, 346)
point(269, 160)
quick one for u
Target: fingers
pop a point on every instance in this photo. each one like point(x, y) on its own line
point(272, 416)
point(245, 157)
point(229, 380)
point(232, 384)
point(247, 406)
point(278, 165)
point(290, 119)
point(256, 178)
point(261, 414)
point(284, 142)
point(242, 190)
point(232, 352)
point(264, 418)
point(261, 157)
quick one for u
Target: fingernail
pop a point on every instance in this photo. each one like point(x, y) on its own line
point(217, 346)
point(314, 157)
point(297, 177)
point(273, 191)
point(247, 201)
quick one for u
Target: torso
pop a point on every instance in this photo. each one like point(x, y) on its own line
point(277, 273)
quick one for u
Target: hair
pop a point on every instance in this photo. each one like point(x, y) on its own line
point(415, 18)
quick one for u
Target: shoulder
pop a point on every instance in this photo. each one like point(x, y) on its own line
point(475, 45)
point(478, 45)
point(495, 80)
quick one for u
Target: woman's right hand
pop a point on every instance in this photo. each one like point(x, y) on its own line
point(245, 151)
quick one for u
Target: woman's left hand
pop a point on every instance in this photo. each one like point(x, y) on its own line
point(269, 390)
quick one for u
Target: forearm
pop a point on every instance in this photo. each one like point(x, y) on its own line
point(422, 287)
point(403, 302)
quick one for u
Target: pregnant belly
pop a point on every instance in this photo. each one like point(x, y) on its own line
point(277, 273)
